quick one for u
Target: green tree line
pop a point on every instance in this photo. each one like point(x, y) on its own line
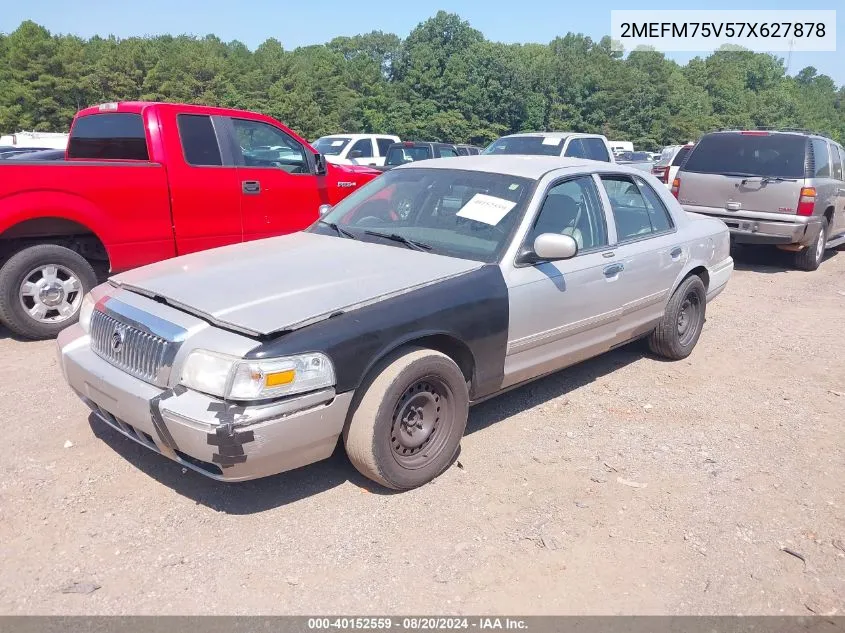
point(445, 81)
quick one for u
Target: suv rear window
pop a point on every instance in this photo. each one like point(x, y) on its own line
point(680, 156)
point(776, 155)
point(119, 135)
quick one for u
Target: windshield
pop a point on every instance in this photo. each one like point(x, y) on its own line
point(397, 155)
point(331, 145)
point(529, 145)
point(465, 214)
point(774, 155)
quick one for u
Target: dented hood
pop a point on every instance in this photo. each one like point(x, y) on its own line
point(287, 282)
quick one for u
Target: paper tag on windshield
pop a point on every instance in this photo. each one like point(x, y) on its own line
point(550, 140)
point(487, 209)
point(336, 143)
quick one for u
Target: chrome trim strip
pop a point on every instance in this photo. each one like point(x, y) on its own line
point(555, 334)
point(644, 302)
point(141, 320)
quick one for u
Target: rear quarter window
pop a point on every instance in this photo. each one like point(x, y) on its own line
point(777, 155)
point(681, 156)
point(821, 158)
point(117, 136)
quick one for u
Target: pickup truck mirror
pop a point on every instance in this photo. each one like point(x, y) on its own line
point(553, 246)
point(320, 167)
point(355, 153)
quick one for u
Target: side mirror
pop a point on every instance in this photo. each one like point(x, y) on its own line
point(323, 209)
point(355, 153)
point(320, 165)
point(553, 246)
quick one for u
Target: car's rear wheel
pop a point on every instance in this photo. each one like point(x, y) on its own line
point(407, 427)
point(41, 290)
point(677, 333)
point(810, 258)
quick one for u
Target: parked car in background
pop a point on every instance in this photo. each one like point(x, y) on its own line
point(468, 150)
point(413, 151)
point(619, 147)
point(44, 154)
point(36, 140)
point(637, 160)
point(458, 280)
point(568, 144)
point(8, 152)
point(144, 182)
point(783, 188)
point(670, 161)
point(355, 149)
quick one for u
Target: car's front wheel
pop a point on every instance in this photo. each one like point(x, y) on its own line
point(407, 427)
point(677, 333)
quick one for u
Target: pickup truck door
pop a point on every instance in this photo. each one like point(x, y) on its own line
point(204, 192)
point(649, 251)
point(279, 190)
point(565, 311)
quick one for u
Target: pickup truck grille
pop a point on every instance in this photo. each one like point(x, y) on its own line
point(144, 355)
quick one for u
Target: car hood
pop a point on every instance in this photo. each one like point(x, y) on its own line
point(288, 282)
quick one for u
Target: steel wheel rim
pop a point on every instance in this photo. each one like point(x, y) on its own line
point(689, 318)
point(50, 293)
point(422, 421)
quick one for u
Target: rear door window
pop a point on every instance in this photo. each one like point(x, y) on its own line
point(401, 154)
point(837, 162)
point(117, 136)
point(199, 142)
point(732, 153)
point(596, 149)
point(637, 211)
point(365, 146)
point(821, 158)
point(575, 149)
point(446, 152)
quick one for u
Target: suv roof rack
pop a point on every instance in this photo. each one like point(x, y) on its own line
point(759, 128)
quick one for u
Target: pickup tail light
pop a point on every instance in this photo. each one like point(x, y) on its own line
point(676, 187)
point(807, 201)
point(661, 173)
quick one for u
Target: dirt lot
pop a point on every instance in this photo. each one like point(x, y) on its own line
point(623, 485)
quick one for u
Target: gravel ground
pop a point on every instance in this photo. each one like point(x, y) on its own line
point(622, 485)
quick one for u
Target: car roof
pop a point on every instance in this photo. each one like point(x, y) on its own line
point(532, 167)
point(552, 134)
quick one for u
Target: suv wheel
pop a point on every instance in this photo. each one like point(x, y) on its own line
point(810, 257)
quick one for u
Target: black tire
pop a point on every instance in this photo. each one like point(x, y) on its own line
point(677, 333)
point(17, 270)
point(811, 257)
point(413, 385)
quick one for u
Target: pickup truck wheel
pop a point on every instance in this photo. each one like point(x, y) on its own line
point(408, 425)
point(810, 258)
point(677, 333)
point(41, 290)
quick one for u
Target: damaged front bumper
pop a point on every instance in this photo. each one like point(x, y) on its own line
point(211, 436)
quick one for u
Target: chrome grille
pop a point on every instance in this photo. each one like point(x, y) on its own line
point(144, 355)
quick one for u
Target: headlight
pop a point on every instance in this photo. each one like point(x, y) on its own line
point(236, 379)
point(85, 312)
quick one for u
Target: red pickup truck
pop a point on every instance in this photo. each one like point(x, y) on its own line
point(143, 182)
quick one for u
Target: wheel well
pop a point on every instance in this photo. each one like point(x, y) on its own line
point(73, 235)
point(453, 348)
point(828, 213)
point(700, 271)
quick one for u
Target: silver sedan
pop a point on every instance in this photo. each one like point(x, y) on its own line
point(435, 286)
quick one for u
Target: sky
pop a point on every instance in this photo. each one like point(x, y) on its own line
point(315, 22)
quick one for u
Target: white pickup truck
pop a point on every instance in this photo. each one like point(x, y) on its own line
point(355, 149)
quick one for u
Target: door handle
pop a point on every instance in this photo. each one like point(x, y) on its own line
point(613, 269)
point(676, 253)
point(608, 254)
point(251, 187)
